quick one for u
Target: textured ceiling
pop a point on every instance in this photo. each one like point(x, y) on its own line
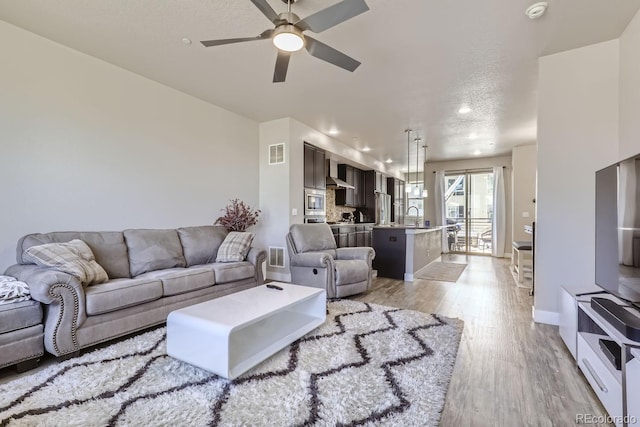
point(421, 61)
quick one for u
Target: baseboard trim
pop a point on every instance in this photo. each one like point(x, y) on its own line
point(547, 317)
point(279, 277)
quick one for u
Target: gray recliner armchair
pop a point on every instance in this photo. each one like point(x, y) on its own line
point(315, 261)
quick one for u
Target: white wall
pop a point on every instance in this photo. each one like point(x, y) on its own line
point(459, 165)
point(630, 89)
point(577, 135)
point(90, 146)
point(274, 188)
point(524, 189)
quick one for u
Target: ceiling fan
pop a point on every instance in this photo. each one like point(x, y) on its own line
point(288, 34)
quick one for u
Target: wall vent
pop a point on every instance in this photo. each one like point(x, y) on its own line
point(276, 154)
point(276, 257)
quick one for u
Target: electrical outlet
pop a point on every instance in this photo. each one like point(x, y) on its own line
point(525, 214)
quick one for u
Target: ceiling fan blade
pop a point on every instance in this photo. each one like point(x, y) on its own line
point(265, 35)
point(266, 10)
point(329, 54)
point(282, 64)
point(332, 15)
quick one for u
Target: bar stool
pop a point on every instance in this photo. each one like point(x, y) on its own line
point(521, 258)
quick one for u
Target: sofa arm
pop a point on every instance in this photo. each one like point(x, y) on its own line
point(364, 253)
point(257, 257)
point(312, 260)
point(65, 299)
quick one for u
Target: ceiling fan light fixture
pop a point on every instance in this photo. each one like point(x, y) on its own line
point(288, 38)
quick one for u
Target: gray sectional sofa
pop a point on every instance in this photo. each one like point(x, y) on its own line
point(151, 273)
point(21, 334)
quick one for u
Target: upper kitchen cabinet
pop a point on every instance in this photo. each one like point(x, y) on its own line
point(352, 197)
point(314, 162)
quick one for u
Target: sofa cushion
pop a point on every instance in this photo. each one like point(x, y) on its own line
point(351, 271)
point(151, 250)
point(200, 244)
point(72, 257)
point(108, 247)
point(231, 271)
point(235, 247)
point(19, 315)
point(120, 293)
point(180, 280)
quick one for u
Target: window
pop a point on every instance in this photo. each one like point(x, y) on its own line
point(459, 190)
point(415, 200)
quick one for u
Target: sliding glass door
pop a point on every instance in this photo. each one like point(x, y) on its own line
point(469, 211)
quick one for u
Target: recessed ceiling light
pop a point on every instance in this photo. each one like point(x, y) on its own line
point(333, 131)
point(477, 153)
point(536, 10)
point(186, 40)
point(388, 161)
point(473, 135)
point(366, 149)
point(464, 109)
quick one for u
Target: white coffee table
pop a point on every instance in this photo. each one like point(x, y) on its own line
point(231, 334)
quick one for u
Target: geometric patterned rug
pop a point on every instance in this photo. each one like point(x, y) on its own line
point(366, 365)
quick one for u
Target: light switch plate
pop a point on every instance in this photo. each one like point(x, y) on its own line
point(525, 214)
point(294, 212)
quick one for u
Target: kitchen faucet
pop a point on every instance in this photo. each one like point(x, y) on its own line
point(417, 213)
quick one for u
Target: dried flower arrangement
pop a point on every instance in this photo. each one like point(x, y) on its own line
point(238, 216)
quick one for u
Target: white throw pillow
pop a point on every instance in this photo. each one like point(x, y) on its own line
point(235, 247)
point(74, 257)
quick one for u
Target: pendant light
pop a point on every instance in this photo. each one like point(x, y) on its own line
point(425, 192)
point(407, 185)
point(416, 190)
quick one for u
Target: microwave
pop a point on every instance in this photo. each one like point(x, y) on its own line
point(314, 202)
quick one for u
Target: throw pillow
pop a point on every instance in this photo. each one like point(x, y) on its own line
point(12, 290)
point(235, 247)
point(73, 257)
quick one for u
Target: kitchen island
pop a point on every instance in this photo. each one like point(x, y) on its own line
point(403, 250)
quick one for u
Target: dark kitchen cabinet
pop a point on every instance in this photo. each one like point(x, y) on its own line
point(358, 192)
point(314, 163)
point(352, 197)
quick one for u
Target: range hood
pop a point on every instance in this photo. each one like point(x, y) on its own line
point(332, 176)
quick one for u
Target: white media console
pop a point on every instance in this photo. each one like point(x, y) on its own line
point(582, 329)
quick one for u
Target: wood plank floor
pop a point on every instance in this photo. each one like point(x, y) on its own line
point(510, 371)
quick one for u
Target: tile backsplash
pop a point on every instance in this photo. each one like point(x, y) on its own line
point(334, 213)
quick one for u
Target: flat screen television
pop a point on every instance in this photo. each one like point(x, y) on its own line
point(618, 229)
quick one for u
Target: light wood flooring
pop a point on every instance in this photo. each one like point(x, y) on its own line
point(509, 371)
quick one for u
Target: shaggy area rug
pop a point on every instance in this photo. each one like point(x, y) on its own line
point(442, 271)
point(366, 365)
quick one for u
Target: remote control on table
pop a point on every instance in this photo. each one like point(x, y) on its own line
point(274, 287)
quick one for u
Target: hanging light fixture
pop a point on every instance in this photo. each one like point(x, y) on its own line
point(407, 185)
point(425, 192)
point(416, 190)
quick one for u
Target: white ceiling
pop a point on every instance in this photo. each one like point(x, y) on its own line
point(421, 60)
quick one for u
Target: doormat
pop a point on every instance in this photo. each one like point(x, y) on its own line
point(442, 271)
